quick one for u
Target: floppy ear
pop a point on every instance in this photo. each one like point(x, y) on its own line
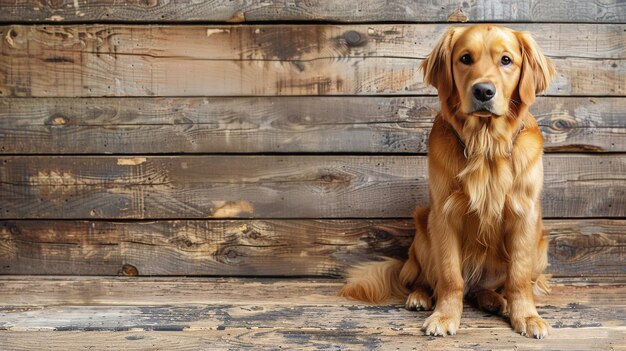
point(437, 67)
point(537, 70)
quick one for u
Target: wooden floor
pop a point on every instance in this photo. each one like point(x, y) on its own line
point(78, 313)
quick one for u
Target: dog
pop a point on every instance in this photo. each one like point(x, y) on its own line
point(482, 236)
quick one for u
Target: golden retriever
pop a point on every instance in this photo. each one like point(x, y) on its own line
point(482, 236)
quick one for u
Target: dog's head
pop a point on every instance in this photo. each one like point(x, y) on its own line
point(486, 71)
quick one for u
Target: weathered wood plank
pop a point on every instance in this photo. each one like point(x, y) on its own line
point(271, 186)
point(307, 303)
point(590, 247)
point(335, 11)
point(263, 247)
point(123, 60)
point(280, 248)
point(574, 339)
point(351, 316)
point(210, 186)
point(275, 124)
point(30, 291)
point(262, 313)
point(299, 310)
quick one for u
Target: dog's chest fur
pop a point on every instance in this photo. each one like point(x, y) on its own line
point(488, 175)
point(486, 180)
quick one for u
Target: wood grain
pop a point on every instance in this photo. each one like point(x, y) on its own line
point(271, 248)
point(275, 124)
point(303, 313)
point(263, 247)
point(267, 339)
point(30, 291)
point(271, 186)
point(586, 248)
point(200, 60)
point(141, 90)
point(335, 11)
point(256, 315)
point(307, 302)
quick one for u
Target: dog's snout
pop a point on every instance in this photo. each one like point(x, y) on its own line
point(484, 91)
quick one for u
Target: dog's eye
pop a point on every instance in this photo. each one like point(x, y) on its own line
point(466, 59)
point(505, 61)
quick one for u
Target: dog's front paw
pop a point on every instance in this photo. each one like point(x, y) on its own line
point(531, 326)
point(439, 324)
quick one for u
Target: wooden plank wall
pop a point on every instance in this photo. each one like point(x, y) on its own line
point(159, 138)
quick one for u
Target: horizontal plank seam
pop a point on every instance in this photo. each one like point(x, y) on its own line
point(139, 21)
point(319, 243)
point(260, 219)
point(182, 328)
point(380, 95)
point(191, 58)
point(426, 123)
point(359, 95)
point(286, 278)
point(323, 281)
point(250, 129)
point(338, 277)
point(290, 154)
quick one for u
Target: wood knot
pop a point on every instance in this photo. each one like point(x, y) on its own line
point(383, 235)
point(330, 179)
point(128, 270)
point(565, 249)
point(230, 255)
point(149, 3)
point(354, 38)
point(11, 34)
point(562, 124)
point(183, 241)
point(327, 178)
point(250, 232)
point(13, 229)
point(57, 120)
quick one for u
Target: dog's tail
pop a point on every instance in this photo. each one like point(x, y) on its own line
point(541, 286)
point(375, 282)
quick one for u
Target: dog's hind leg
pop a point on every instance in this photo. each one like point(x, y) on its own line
point(412, 274)
point(419, 300)
point(489, 301)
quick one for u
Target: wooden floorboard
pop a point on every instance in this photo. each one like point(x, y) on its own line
point(31, 291)
point(570, 339)
point(190, 313)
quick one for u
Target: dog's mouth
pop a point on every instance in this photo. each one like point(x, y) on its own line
point(484, 109)
point(485, 113)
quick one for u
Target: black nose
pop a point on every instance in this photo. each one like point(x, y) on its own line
point(484, 91)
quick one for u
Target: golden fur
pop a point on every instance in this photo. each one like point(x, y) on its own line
point(482, 235)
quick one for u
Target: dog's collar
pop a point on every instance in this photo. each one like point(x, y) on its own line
point(462, 143)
